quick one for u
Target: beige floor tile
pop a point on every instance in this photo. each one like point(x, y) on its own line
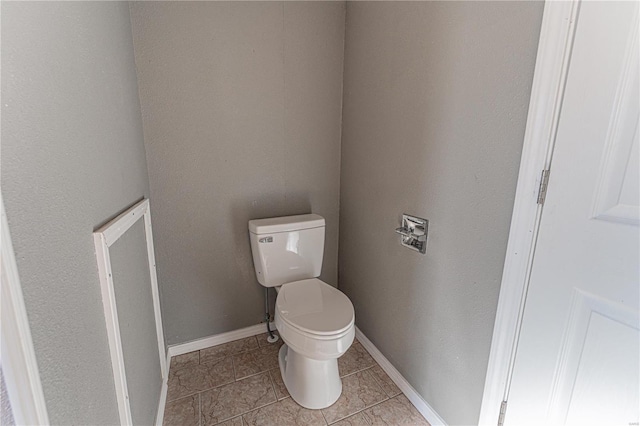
point(237, 398)
point(197, 378)
point(205, 394)
point(278, 383)
point(185, 360)
point(385, 382)
point(355, 359)
point(262, 339)
point(226, 349)
point(396, 411)
point(284, 413)
point(237, 421)
point(355, 420)
point(183, 412)
point(256, 361)
point(359, 391)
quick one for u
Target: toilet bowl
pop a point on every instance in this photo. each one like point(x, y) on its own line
point(316, 323)
point(315, 320)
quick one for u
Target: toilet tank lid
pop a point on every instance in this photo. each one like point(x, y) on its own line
point(285, 223)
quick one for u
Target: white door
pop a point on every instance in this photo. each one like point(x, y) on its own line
point(578, 357)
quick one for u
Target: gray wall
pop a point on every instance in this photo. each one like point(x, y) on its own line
point(134, 301)
point(435, 103)
point(241, 106)
point(6, 413)
point(72, 157)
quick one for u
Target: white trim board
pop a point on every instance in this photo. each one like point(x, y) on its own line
point(104, 238)
point(552, 62)
point(162, 401)
point(19, 364)
point(218, 339)
point(421, 405)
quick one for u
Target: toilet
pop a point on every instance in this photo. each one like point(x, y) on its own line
point(315, 320)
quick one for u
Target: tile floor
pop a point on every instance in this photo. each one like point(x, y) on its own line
point(239, 384)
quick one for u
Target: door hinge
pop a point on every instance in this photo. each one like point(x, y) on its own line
point(503, 410)
point(544, 183)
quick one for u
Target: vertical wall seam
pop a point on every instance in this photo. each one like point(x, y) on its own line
point(284, 104)
point(344, 51)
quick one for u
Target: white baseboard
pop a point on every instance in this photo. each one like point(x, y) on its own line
point(422, 406)
point(218, 339)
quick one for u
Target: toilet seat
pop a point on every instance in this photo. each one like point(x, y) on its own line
point(315, 309)
point(315, 319)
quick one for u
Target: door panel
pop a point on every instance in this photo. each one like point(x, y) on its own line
point(577, 360)
point(618, 193)
point(590, 373)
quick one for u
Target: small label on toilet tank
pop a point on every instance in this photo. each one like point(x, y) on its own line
point(266, 240)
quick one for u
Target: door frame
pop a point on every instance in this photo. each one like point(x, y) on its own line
point(19, 364)
point(552, 63)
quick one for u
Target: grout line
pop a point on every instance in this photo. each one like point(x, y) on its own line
point(256, 339)
point(359, 371)
point(323, 416)
point(273, 385)
point(386, 398)
point(252, 410)
point(181, 397)
point(376, 382)
point(199, 409)
point(211, 361)
point(257, 360)
point(191, 394)
point(380, 383)
point(233, 367)
point(252, 375)
point(360, 411)
point(246, 412)
point(177, 368)
point(232, 418)
point(203, 390)
point(366, 419)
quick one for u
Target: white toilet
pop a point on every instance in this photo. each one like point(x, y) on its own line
point(315, 320)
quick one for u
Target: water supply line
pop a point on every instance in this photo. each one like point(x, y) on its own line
point(267, 316)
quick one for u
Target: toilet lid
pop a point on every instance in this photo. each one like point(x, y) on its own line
point(315, 307)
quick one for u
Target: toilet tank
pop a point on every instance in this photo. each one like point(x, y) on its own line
point(287, 249)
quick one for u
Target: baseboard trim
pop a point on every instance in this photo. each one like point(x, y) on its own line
point(218, 339)
point(423, 407)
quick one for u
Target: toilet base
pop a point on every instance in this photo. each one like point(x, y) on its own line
point(312, 383)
